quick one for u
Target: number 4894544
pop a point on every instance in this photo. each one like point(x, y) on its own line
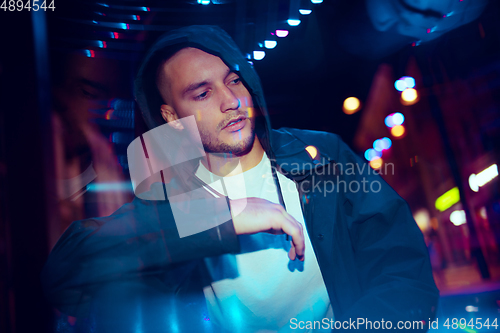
point(29, 5)
point(473, 323)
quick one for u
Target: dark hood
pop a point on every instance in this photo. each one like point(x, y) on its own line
point(210, 39)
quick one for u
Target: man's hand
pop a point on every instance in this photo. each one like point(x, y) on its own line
point(260, 215)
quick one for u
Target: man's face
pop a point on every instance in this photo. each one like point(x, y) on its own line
point(195, 83)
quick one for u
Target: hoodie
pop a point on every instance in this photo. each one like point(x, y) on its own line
point(210, 39)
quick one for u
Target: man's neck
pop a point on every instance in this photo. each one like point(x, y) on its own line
point(226, 164)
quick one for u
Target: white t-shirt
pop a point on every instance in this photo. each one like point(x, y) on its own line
point(261, 289)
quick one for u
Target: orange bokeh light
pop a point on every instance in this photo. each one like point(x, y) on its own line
point(351, 105)
point(409, 96)
point(376, 163)
point(398, 131)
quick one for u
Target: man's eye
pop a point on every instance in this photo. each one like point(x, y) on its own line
point(236, 81)
point(202, 95)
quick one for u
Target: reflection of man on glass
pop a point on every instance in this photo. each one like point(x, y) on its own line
point(355, 251)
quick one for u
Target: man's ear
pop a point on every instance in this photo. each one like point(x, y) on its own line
point(170, 116)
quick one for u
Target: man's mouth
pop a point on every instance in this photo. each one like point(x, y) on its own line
point(234, 124)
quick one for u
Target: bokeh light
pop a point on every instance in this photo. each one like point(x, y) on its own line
point(386, 143)
point(376, 163)
point(398, 131)
point(404, 82)
point(381, 144)
point(377, 145)
point(351, 105)
point(448, 199)
point(423, 219)
point(400, 85)
point(293, 22)
point(483, 177)
point(398, 119)
point(259, 55)
point(270, 44)
point(281, 33)
point(457, 217)
point(388, 121)
point(371, 154)
point(409, 81)
point(313, 152)
point(409, 96)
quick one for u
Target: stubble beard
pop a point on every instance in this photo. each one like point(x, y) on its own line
point(214, 145)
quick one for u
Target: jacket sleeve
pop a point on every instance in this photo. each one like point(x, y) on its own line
point(390, 254)
point(138, 240)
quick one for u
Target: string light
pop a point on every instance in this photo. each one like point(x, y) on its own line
point(259, 55)
point(282, 33)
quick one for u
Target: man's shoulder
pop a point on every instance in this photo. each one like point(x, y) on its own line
point(287, 141)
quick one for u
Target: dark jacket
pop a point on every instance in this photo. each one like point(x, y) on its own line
point(132, 269)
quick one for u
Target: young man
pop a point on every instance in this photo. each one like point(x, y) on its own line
point(355, 255)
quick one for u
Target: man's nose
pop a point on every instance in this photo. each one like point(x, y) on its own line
point(230, 100)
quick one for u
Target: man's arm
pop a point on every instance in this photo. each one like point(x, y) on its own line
point(141, 239)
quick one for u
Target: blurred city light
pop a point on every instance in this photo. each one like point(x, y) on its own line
point(398, 119)
point(423, 219)
point(448, 199)
point(270, 44)
point(204, 2)
point(457, 217)
point(293, 22)
point(281, 33)
point(409, 96)
point(404, 82)
point(313, 152)
point(377, 145)
point(471, 308)
point(386, 143)
point(394, 119)
point(400, 85)
point(316, 1)
point(388, 121)
point(398, 131)
point(104, 187)
point(473, 183)
point(483, 213)
point(376, 163)
point(482, 178)
point(259, 55)
point(305, 11)
point(409, 81)
point(381, 144)
point(371, 154)
point(351, 105)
